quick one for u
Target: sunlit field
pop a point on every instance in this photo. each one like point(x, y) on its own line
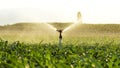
point(28, 45)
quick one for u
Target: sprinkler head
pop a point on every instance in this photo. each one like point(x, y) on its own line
point(60, 31)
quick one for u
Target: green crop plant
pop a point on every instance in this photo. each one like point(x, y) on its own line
point(46, 55)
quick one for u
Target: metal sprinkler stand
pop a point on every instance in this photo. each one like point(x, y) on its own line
point(60, 38)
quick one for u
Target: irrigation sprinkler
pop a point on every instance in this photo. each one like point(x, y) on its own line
point(60, 27)
point(64, 26)
point(60, 38)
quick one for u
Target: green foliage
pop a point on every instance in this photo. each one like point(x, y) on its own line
point(42, 55)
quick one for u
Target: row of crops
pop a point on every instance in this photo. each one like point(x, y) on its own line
point(46, 55)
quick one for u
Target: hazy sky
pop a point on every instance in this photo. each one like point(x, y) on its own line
point(93, 11)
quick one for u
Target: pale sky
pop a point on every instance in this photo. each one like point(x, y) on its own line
point(93, 11)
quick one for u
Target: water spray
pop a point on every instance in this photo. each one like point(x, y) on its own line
point(60, 27)
point(64, 26)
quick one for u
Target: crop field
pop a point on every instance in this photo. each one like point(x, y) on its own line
point(50, 55)
point(88, 46)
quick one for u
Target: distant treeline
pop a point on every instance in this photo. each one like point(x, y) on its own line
point(99, 28)
point(24, 27)
point(111, 28)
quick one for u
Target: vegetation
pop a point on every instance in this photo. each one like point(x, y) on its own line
point(85, 46)
point(42, 55)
